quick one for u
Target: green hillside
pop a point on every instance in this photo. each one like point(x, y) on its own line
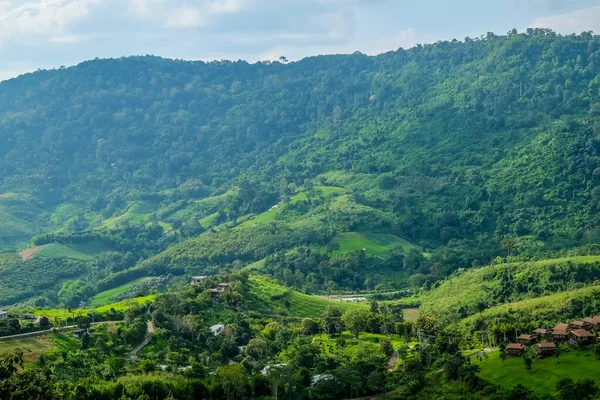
point(480, 289)
point(376, 244)
point(439, 136)
point(85, 252)
point(268, 296)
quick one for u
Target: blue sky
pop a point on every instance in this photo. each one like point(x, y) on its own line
point(51, 33)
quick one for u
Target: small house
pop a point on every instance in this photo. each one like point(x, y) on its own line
point(592, 323)
point(220, 289)
point(320, 377)
point(545, 349)
point(578, 325)
point(559, 335)
point(540, 332)
point(526, 339)
point(217, 329)
point(196, 280)
point(78, 333)
point(581, 336)
point(3, 314)
point(515, 349)
point(561, 327)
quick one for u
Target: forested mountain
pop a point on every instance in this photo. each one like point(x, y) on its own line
point(470, 149)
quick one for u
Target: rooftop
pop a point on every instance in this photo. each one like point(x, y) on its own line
point(547, 345)
point(541, 330)
point(525, 336)
point(561, 327)
point(582, 333)
point(516, 346)
point(559, 331)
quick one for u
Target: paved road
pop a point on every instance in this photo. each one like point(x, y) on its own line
point(393, 360)
point(484, 351)
point(150, 333)
point(40, 333)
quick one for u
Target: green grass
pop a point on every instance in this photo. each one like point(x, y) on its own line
point(266, 295)
point(84, 252)
point(376, 244)
point(544, 305)
point(368, 340)
point(63, 313)
point(544, 374)
point(106, 297)
point(271, 215)
point(138, 212)
point(411, 314)
point(477, 286)
point(208, 222)
point(34, 347)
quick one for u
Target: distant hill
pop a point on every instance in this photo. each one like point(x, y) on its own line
point(465, 150)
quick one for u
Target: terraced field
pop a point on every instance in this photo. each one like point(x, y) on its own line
point(84, 252)
point(106, 297)
point(268, 296)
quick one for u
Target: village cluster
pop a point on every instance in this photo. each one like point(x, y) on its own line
point(576, 334)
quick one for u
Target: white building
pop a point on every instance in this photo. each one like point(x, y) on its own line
point(217, 329)
point(196, 280)
point(3, 314)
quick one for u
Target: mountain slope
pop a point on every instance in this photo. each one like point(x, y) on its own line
point(470, 150)
point(445, 133)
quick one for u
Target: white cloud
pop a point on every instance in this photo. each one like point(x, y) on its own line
point(405, 39)
point(65, 39)
point(225, 6)
point(143, 8)
point(185, 17)
point(586, 19)
point(49, 18)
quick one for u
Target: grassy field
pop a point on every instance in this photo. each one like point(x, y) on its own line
point(106, 297)
point(271, 215)
point(34, 347)
point(63, 313)
point(376, 244)
point(544, 374)
point(411, 314)
point(209, 222)
point(138, 212)
point(266, 295)
point(368, 340)
point(85, 252)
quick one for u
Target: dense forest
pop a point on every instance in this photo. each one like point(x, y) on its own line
point(461, 141)
point(469, 150)
point(461, 177)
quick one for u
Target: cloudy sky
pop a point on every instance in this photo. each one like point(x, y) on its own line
point(50, 33)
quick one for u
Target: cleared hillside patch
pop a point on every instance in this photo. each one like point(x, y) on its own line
point(266, 295)
point(106, 297)
point(375, 244)
point(34, 347)
point(27, 254)
point(271, 215)
point(84, 252)
point(476, 290)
